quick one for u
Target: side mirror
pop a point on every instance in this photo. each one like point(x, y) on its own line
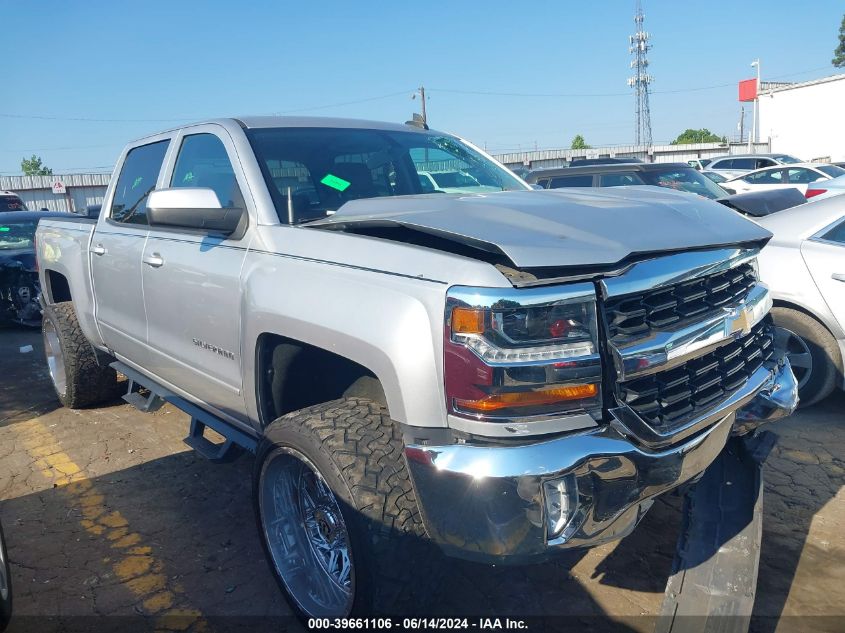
point(196, 208)
point(93, 211)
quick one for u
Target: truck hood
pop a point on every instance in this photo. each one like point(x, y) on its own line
point(560, 228)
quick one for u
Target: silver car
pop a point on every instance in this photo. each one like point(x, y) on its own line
point(738, 164)
point(804, 264)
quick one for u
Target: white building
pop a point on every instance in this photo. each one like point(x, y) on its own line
point(805, 119)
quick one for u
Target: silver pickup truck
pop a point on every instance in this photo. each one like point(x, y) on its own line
point(504, 372)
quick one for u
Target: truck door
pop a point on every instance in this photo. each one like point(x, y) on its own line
point(116, 250)
point(192, 282)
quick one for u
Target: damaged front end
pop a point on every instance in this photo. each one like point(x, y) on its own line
point(19, 290)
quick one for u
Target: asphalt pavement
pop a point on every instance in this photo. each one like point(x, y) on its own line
point(112, 520)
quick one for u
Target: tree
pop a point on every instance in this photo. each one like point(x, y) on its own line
point(579, 143)
point(34, 167)
point(839, 53)
point(698, 136)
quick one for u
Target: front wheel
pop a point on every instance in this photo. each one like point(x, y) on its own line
point(812, 351)
point(337, 512)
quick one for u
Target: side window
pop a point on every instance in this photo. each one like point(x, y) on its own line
point(765, 162)
point(137, 179)
point(572, 181)
point(723, 164)
point(836, 234)
point(543, 182)
point(744, 163)
point(203, 162)
point(802, 176)
point(619, 180)
point(771, 177)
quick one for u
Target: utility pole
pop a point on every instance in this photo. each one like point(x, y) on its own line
point(421, 92)
point(741, 124)
point(752, 136)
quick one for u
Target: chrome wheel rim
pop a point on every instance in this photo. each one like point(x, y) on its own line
point(798, 353)
point(306, 534)
point(55, 358)
point(4, 581)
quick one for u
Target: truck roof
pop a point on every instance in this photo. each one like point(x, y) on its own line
point(256, 122)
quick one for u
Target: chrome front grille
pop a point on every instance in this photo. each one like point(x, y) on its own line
point(635, 315)
point(668, 399)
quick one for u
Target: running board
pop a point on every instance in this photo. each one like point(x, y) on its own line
point(234, 442)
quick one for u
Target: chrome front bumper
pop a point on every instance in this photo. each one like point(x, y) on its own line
point(488, 502)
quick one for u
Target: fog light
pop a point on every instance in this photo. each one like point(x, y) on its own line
point(561, 497)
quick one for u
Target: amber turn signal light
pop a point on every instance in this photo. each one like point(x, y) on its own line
point(497, 401)
point(467, 321)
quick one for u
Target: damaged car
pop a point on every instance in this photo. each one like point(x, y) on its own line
point(19, 287)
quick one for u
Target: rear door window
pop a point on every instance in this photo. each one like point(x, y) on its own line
point(571, 181)
point(803, 176)
point(770, 177)
point(765, 162)
point(744, 163)
point(203, 162)
point(136, 181)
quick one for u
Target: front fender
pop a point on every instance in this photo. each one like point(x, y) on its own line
point(390, 324)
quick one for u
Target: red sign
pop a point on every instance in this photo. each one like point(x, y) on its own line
point(748, 90)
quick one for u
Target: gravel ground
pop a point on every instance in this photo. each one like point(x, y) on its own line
point(108, 513)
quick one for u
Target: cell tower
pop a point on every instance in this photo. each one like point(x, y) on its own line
point(639, 47)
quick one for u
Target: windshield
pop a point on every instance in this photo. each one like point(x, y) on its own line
point(786, 159)
point(11, 203)
point(17, 235)
point(312, 172)
point(832, 170)
point(683, 179)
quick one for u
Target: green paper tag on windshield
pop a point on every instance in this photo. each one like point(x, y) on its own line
point(4, 229)
point(335, 183)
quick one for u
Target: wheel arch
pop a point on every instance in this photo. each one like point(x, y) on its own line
point(56, 287)
point(293, 374)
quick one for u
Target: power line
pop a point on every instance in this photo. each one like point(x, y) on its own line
point(607, 94)
point(39, 117)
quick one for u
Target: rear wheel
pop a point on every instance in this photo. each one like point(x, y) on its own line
point(5, 584)
point(337, 512)
point(812, 351)
point(75, 370)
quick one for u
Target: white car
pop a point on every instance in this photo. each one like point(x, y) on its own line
point(739, 164)
point(454, 181)
point(804, 266)
point(799, 176)
point(826, 188)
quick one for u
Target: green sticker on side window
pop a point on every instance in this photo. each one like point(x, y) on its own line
point(4, 229)
point(335, 183)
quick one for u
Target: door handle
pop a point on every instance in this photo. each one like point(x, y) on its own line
point(99, 249)
point(838, 276)
point(155, 260)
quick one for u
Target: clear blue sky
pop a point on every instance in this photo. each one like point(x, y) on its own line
point(169, 61)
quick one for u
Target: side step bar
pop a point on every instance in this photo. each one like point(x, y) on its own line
point(235, 440)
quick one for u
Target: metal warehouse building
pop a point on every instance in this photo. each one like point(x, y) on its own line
point(71, 192)
point(805, 119)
